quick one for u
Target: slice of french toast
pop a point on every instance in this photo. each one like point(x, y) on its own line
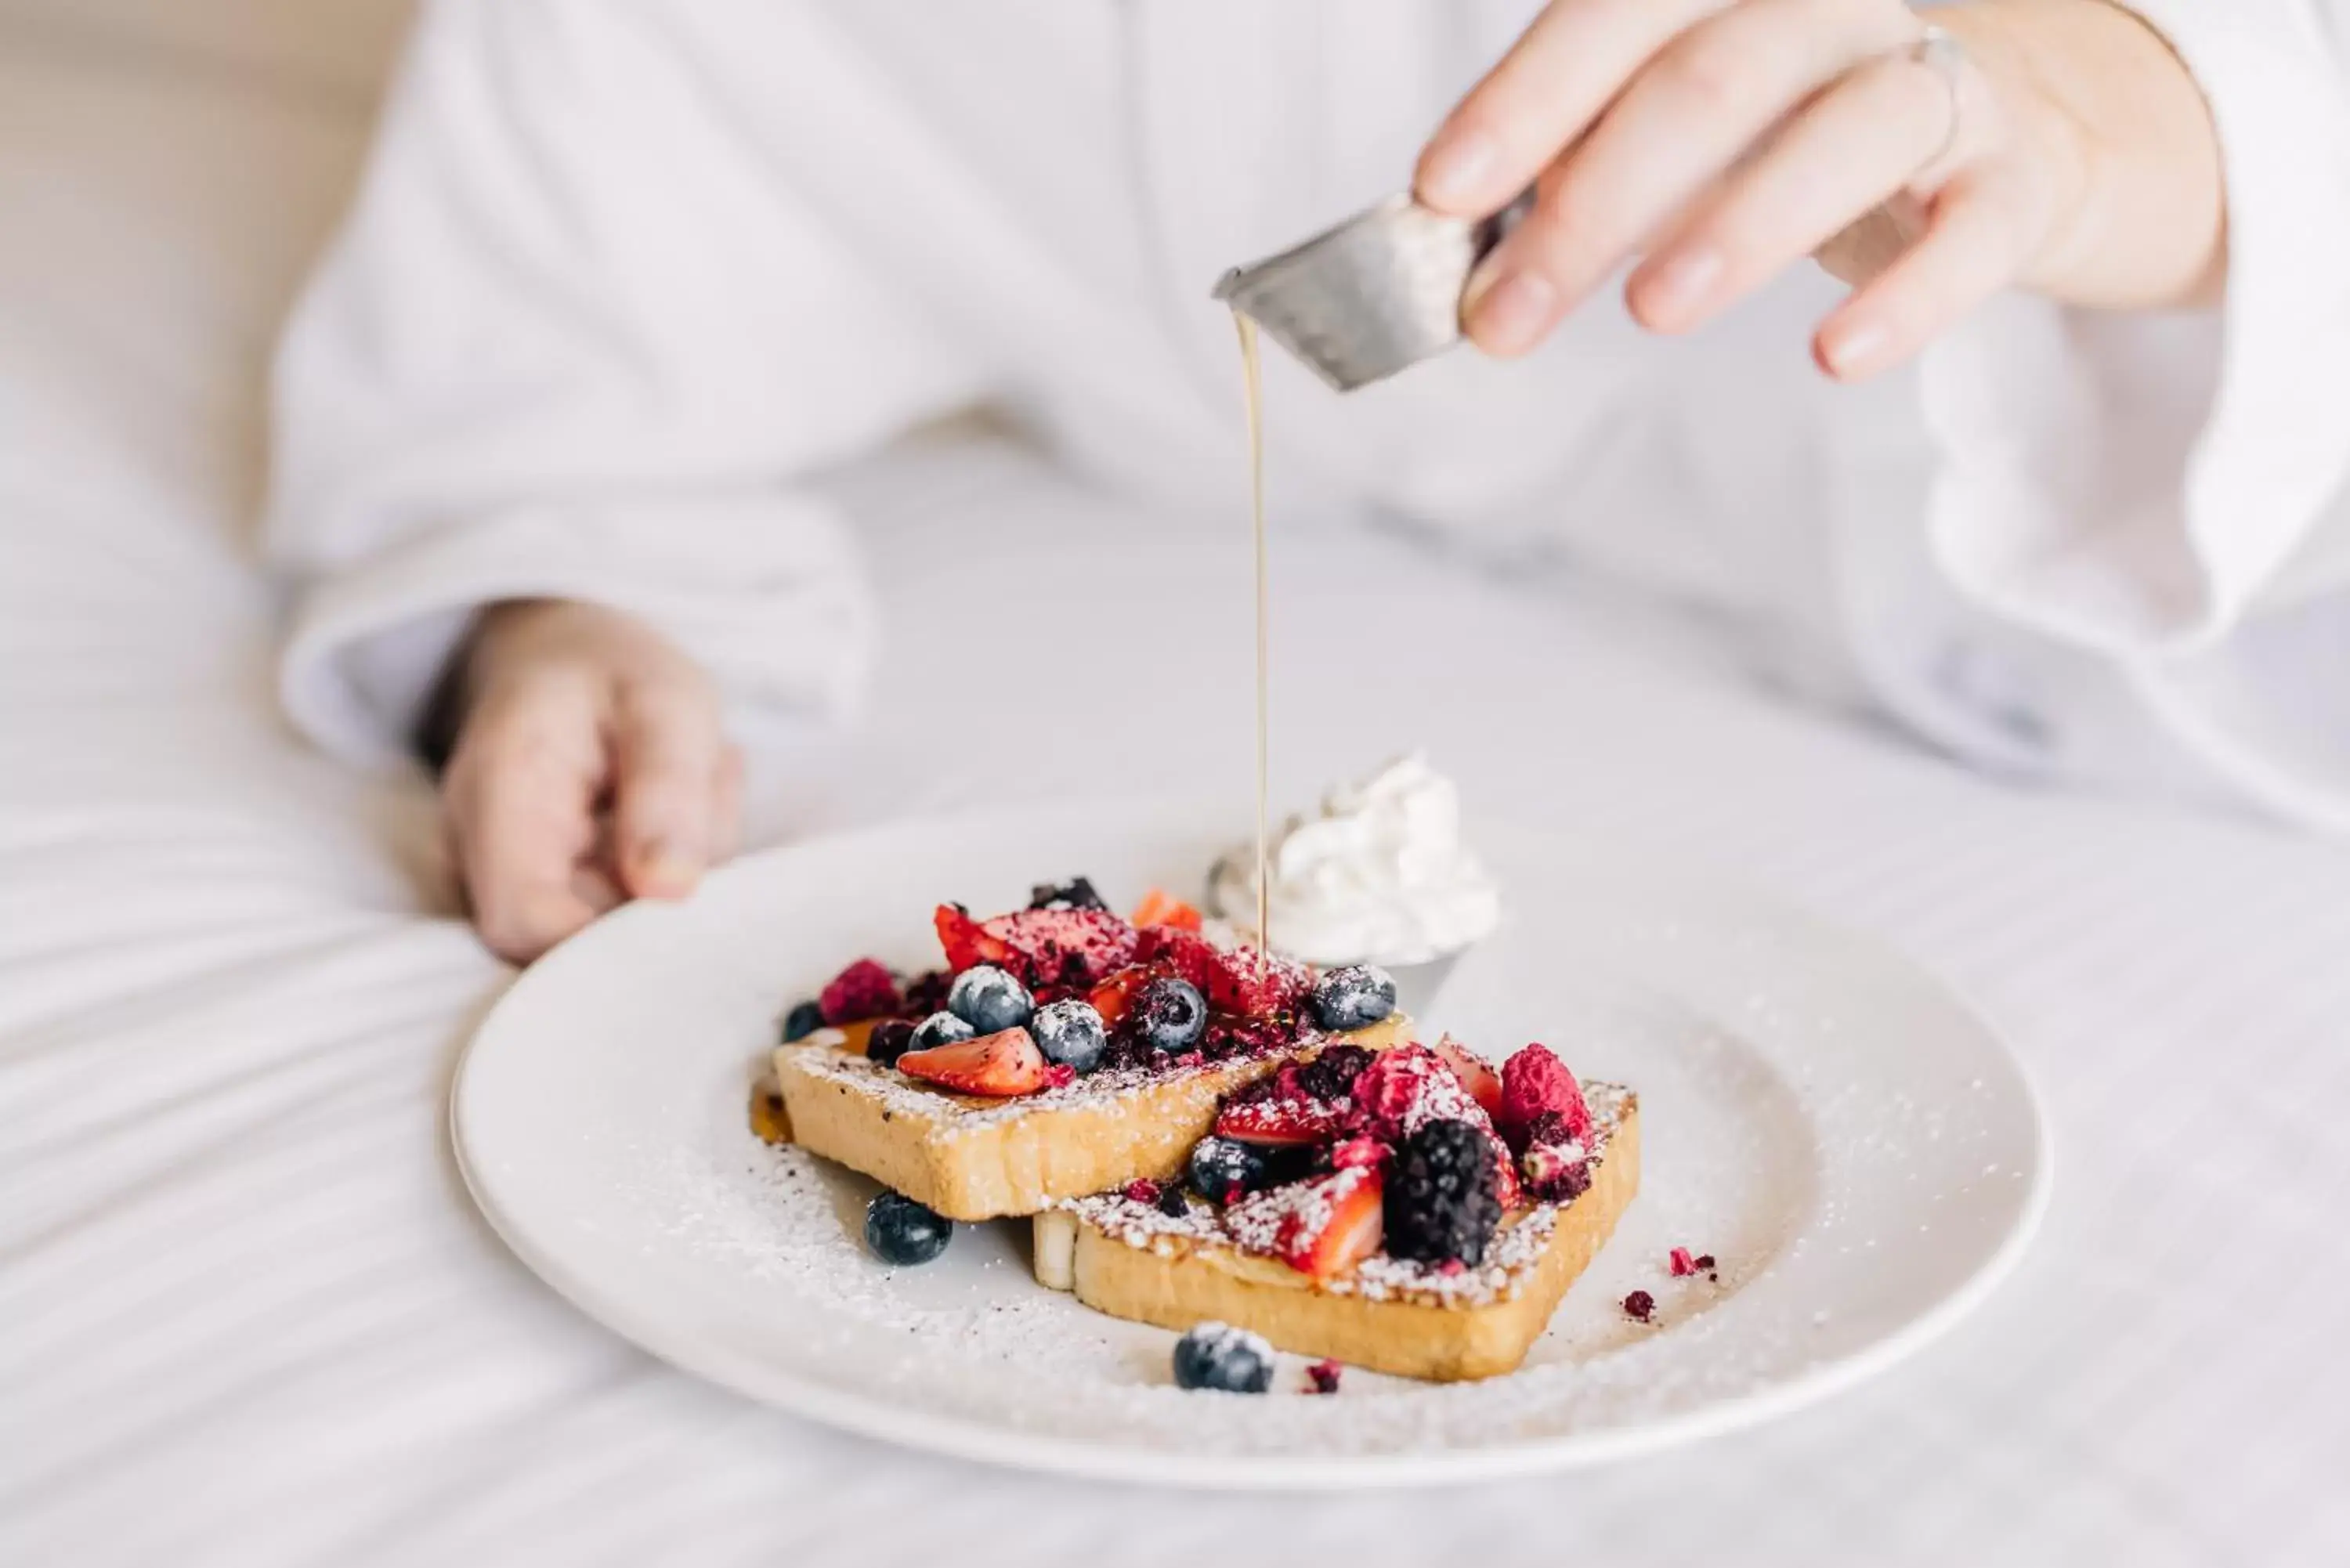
point(1133, 1260)
point(972, 1157)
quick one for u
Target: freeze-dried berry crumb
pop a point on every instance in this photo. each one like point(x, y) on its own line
point(1141, 1190)
point(1172, 1203)
point(1324, 1376)
point(1552, 1177)
point(925, 993)
point(1683, 1266)
point(1330, 1076)
point(1705, 1262)
point(1640, 1307)
point(1059, 1074)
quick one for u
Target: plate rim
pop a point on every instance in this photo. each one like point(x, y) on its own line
point(1001, 1447)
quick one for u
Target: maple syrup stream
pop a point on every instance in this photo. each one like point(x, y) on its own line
point(1247, 329)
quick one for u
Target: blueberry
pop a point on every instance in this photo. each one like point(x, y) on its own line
point(901, 1230)
point(1218, 1355)
point(989, 1000)
point(1071, 1033)
point(890, 1039)
point(1171, 1014)
point(803, 1021)
point(1353, 996)
point(1222, 1168)
point(939, 1029)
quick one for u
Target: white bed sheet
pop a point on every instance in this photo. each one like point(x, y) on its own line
point(247, 1315)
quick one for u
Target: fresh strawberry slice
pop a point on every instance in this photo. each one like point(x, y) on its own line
point(1358, 1150)
point(1001, 1064)
point(1321, 1227)
point(966, 941)
point(1060, 946)
point(1254, 983)
point(1114, 997)
point(1159, 908)
point(1187, 954)
point(1281, 1123)
point(1476, 1073)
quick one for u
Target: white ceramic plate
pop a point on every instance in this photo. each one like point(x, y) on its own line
point(1858, 1152)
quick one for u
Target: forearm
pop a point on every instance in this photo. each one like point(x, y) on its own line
point(2121, 117)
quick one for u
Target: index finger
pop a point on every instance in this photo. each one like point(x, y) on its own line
point(1563, 70)
point(520, 809)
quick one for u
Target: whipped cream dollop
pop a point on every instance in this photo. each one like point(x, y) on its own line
point(1379, 876)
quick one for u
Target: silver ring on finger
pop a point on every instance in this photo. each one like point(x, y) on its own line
point(1941, 52)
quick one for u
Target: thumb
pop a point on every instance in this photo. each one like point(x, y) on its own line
point(669, 759)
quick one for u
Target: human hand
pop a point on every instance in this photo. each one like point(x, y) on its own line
point(2068, 152)
point(589, 768)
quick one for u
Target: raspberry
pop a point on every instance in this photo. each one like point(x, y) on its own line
point(1442, 1202)
point(1535, 1082)
point(1640, 1307)
point(864, 989)
point(1356, 1151)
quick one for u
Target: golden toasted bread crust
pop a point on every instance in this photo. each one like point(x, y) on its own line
point(1176, 1280)
point(970, 1158)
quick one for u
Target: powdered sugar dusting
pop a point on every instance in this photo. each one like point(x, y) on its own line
point(957, 1114)
point(1257, 1223)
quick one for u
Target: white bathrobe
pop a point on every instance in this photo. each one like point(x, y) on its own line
point(622, 269)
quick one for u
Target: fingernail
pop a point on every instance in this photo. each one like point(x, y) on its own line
point(1853, 350)
point(1453, 173)
point(1679, 287)
point(1508, 314)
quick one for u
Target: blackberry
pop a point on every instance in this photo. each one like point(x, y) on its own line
point(1330, 1076)
point(890, 1039)
point(1076, 893)
point(927, 992)
point(1441, 1203)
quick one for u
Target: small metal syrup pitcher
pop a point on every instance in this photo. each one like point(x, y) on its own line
point(1378, 292)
